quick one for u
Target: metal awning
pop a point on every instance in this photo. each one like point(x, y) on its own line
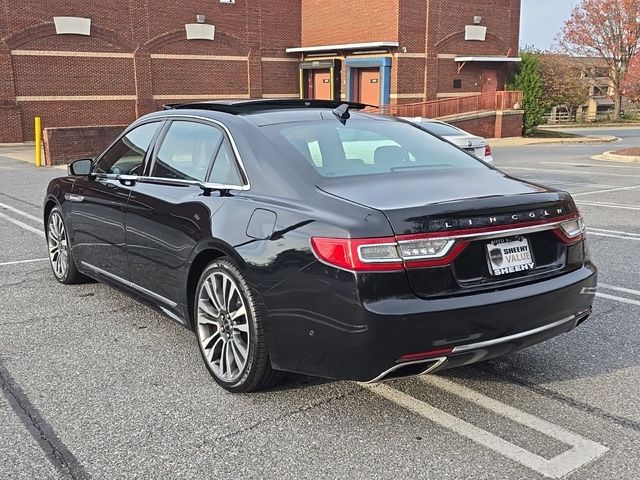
point(488, 58)
point(345, 46)
point(604, 101)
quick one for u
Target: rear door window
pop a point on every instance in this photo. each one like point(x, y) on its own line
point(225, 170)
point(187, 151)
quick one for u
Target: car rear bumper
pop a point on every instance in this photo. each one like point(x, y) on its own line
point(367, 341)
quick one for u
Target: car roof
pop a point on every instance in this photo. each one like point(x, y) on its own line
point(269, 111)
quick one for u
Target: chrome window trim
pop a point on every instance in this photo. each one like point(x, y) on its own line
point(232, 141)
point(181, 182)
point(135, 286)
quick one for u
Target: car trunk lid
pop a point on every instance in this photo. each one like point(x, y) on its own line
point(460, 203)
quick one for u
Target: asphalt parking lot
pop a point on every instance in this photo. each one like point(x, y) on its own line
point(96, 385)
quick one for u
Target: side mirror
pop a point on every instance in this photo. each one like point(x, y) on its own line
point(81, 167)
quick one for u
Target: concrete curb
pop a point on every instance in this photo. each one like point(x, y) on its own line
point(612, 157)
point(590, 126)
point(524, 141)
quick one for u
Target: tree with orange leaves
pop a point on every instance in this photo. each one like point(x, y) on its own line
point(631, 85)
point(608, 29)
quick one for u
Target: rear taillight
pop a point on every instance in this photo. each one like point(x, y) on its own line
point(572, 231)
point(358, 254)
point(385, 254)
point(424, 250)
point(487, 150)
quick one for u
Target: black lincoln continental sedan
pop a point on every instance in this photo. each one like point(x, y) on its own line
point(308, 236)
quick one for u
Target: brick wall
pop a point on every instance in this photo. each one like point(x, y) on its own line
point(137, 58)
point(331, 22)
point(446, 24)
point(491, 125)
point(63, 145)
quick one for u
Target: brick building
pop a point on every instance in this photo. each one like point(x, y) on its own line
point(96, 63)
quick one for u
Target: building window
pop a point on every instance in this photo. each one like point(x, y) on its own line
point(457, 83)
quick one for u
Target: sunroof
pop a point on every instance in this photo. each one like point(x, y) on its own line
point(251, 106)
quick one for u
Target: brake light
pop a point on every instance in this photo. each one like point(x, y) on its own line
point(358, 254)
point(424, 250)
point(387, 253)
point(487, 150)
point(572, 231)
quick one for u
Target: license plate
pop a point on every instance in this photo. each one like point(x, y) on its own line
point(509, 255)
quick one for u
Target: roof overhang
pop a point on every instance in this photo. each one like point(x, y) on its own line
point(488, 58)
point(604, 101)
point(345, 46)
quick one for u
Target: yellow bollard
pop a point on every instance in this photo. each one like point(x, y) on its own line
point(38, 129)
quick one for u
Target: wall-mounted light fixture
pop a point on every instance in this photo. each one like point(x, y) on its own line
point(477, 20)
point(72, 25)
point(200, 18)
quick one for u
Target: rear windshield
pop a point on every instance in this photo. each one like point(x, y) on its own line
point(440, 128)
point(368, 148)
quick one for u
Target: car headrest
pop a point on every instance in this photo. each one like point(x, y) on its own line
point(302, 147)
point(388, 155)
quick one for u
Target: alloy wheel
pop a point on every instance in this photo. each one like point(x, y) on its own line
point(223, 326)
point(58, 245)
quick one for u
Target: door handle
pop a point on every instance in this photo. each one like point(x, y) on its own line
point(128, 180)
point(74, 198)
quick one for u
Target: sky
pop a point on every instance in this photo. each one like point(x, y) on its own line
point(542, 20)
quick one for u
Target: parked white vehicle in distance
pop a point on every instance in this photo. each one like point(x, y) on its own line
point(473, 144)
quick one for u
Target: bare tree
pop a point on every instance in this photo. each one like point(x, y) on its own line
point(608, 29)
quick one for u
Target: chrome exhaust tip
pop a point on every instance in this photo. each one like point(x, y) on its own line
point(409, 369)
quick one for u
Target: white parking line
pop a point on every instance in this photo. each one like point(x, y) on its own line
point(22, 224)
point(17, 262)
point(611, 235)
point(619, 289)
point(597, 165)
point(630, 234)
point(572, 172)
point(618, 299)
point(20, 212)
point(582, 452)
point(618, 189)
point(619, 206)
point(573, 184)
point(601, 232)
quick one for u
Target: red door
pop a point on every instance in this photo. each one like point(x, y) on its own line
point(489, 81)
point(320, 84)
point(367, 86)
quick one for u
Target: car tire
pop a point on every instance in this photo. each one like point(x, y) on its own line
point(61, 258)
point(228, 327)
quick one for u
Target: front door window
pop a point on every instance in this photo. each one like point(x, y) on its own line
point(127, 154)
